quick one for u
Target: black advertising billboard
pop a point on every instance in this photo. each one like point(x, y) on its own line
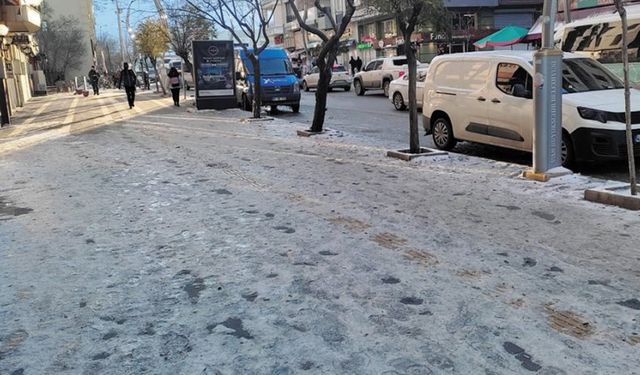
point(214, 68)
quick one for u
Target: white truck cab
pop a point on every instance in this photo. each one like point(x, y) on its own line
point(487, 97)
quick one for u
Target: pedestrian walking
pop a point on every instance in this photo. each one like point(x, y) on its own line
point(359, 64)
point(128, 80)
point(94, 78)
point(352, 65)
point(146, 80)
point(174, 83)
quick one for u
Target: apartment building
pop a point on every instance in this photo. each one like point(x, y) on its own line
point(19, 74)
point(82, 10)
point(371, 34)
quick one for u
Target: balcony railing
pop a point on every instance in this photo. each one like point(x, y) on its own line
point(20, 19)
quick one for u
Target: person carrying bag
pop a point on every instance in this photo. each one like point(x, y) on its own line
point(174, 84)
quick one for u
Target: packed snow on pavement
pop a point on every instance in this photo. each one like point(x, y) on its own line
point(195, 243)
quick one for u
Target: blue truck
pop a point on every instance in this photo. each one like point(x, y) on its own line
point(280, 86)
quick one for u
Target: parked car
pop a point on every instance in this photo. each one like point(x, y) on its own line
point(340, 78)
point(280, 85)
point(399, 90)
point(486, 97)
point(379, 73)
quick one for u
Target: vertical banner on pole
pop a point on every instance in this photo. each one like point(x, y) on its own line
point(214, 68)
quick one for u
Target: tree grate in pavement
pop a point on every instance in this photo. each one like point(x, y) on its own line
point(569, 323)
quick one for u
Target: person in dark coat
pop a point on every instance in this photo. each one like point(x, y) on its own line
point(359, 64)
point(146, 80)
point(352, 65)
point(128, 80)
point(94, 79)
point(174, 84)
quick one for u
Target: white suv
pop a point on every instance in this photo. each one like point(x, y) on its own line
point(487, 97)
point(379, 73)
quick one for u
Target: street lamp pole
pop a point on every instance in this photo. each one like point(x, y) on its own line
point(118, 11)
point(547, 135)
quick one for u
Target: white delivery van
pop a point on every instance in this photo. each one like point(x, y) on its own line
point(487, 97)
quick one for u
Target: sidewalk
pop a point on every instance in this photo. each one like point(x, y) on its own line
point(195, 243)
point(49, 117)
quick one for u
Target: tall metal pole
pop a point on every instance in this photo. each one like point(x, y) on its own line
point(627, 97)
point(547, 135)
point(567, 11)
point(118, 11)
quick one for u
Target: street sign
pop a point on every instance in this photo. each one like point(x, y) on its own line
point(214, 68)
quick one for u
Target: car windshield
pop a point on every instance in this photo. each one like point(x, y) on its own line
point(583, 74)
point(272, 67)
point(339, 68)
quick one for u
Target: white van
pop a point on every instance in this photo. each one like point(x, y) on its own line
point(487, 97)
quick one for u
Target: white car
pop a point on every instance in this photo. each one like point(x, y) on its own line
point(487, 97)
point(340, 78)
point(379, 73)
point(399, 90)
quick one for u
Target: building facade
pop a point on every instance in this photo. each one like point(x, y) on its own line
point(371, 35)
point(19, 74)
point(82, 10)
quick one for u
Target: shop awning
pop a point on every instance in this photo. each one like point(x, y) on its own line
point(508, 36)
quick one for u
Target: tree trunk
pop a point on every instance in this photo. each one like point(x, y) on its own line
point(158, 80)
point(257, 85)
point(325, 65)
point(414, 134)
point(188, 65)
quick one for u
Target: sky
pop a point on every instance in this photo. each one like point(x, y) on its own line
point(106, 18)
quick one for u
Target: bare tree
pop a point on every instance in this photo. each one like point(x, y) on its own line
point(184, 28)
point(61, 41)
point(410, 14)
point(326, 56)
point(109, 46)
point(246, 21)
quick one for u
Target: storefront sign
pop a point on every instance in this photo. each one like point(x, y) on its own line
point(364, 45)
point(215, 74)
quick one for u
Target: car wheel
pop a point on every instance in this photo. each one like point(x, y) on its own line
point(347, 88)
point(357, 85)
point(295, 108)
point(305, 87)
point(443, 134)
point(567, 155)
point(385, 87)
point(398, 102)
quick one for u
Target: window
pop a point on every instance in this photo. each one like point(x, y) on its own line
point(400, 62)
point(290, 15)
point(370, 30)
point(389, 28)
point(379, 64)
point(580, 75)
point(512, 79)
point(464, 21)
point(371, 65)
